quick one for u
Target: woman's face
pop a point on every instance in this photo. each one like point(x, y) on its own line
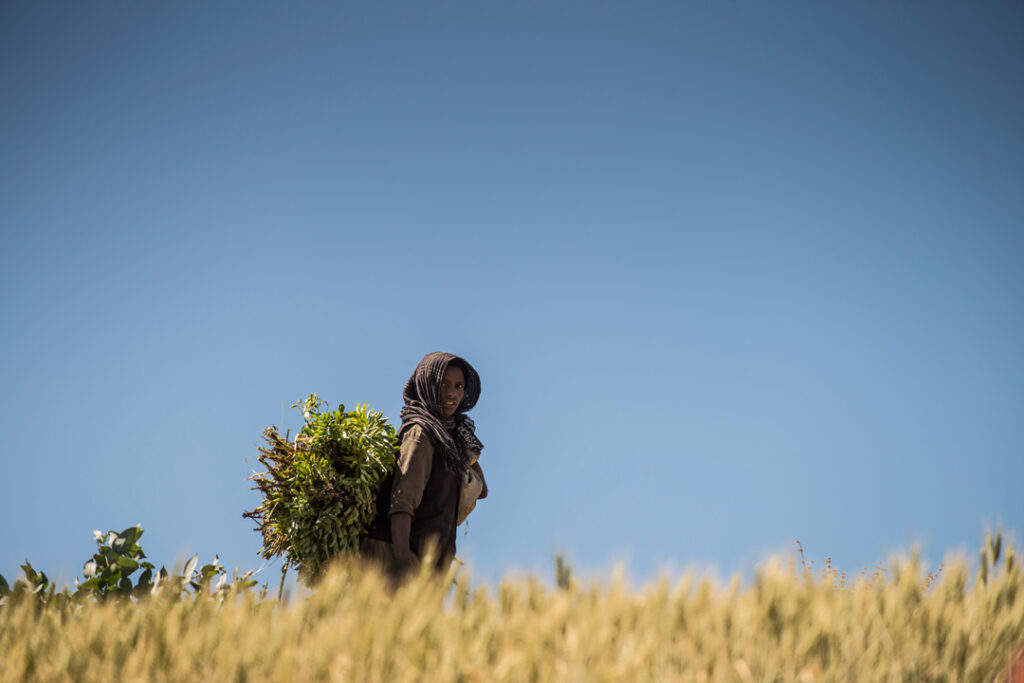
point(453, 388)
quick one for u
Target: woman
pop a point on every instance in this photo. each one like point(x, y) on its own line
point(437, 466)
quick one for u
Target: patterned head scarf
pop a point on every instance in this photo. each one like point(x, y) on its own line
point(456, 434)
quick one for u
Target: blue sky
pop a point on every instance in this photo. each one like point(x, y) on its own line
point(732, 274)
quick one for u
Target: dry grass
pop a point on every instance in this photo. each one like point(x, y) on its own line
point(788, 625)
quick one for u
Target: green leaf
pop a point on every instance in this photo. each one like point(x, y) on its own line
point(92, 584)
point(30, 573)
point(132, 534)
point(146, 577)
point(110, 578)
point(190, 566)
point(4, 588)
point(128, 563)
point(120, 544)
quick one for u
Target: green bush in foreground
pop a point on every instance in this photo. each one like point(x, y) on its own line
point(108, 574)
point(790, 624)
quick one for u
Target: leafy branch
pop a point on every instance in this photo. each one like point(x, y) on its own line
point(319, 492)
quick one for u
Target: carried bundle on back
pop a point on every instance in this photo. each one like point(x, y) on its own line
point(320, 491)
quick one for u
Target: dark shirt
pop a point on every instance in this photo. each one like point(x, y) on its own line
point(423, 488)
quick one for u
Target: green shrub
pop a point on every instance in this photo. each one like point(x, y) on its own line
point(108, 575)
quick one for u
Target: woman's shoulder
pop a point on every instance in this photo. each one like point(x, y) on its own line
point(417, 434)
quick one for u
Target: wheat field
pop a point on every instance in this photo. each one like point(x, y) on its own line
point(788, 624)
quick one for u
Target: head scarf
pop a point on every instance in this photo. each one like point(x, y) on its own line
point(455, 435)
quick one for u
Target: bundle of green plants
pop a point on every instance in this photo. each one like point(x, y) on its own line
point(319, 491)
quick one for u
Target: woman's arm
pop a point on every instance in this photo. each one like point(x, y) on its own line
point(401, 524)
point(411, 474)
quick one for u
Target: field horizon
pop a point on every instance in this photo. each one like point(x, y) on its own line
point(792, 622)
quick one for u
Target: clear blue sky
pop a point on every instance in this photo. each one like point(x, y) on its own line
point(733, 273)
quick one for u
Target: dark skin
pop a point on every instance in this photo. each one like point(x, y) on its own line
point(453, 389)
